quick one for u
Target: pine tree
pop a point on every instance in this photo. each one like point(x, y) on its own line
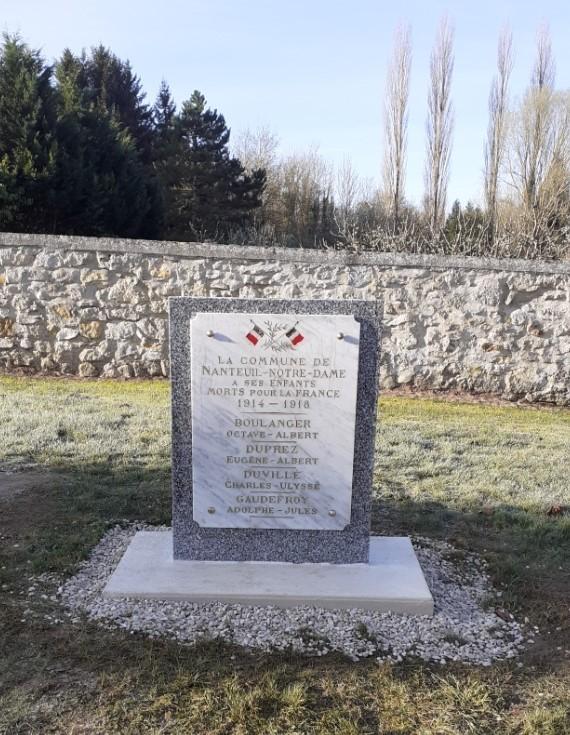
point(214, 194)
point(164, 112)
point(86, 155)
point(27, 121)
point(112, 87)
point(166, 153)
point(464, 224)
point(101, 186)
point(453, 222)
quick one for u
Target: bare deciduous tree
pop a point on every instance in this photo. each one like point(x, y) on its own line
point(539, 157)
point(544, 69)
point(497, 128)
point(347, 191)
point(541, 122)
point(256, 149)
point(297, 203)
point(533, 134)
point(439, 126)
point(259, 149)
point(551, 207)
point(396, 123)
point(306, 186)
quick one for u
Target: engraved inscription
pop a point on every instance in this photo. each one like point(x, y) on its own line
point(273, 418)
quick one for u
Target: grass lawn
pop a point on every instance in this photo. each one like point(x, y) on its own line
point(77, 457)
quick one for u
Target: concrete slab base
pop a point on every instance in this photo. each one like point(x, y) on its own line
point(391, 582)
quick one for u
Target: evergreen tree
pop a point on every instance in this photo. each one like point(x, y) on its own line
point(111, 87)
point(100, 185)
point(164, 113)
point(322, 225)
point(71, 82)
point(27, 119)
point(166, 148)
point(213, 194)
point(86, 155)
point(464, 224)
point(453, 222)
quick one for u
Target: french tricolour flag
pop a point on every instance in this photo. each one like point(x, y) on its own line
point(294, 335)
point(255, 334)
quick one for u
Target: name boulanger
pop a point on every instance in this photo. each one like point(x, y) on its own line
point(290, 429)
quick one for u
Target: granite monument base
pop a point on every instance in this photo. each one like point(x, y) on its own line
point(392, 580)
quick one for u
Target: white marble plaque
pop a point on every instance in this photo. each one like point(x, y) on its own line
point(273, 419)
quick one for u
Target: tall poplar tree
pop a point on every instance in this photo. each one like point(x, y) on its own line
point(396, 124)
point(439, 127)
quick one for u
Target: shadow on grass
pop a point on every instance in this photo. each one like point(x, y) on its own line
point(55, 524)
point(59, 522)
point(528, 553)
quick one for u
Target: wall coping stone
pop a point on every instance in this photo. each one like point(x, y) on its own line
point(190, 250)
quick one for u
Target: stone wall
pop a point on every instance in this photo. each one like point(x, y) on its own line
point(98, 307)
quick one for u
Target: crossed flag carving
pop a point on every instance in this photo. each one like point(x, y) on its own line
point(256, 334)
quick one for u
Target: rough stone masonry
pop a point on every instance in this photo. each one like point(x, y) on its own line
point(99, 307)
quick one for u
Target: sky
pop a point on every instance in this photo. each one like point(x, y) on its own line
point(311, 71)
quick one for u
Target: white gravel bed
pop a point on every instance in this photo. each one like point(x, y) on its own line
point(465, 626)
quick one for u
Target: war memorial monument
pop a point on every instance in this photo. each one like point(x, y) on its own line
point(273, 427)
